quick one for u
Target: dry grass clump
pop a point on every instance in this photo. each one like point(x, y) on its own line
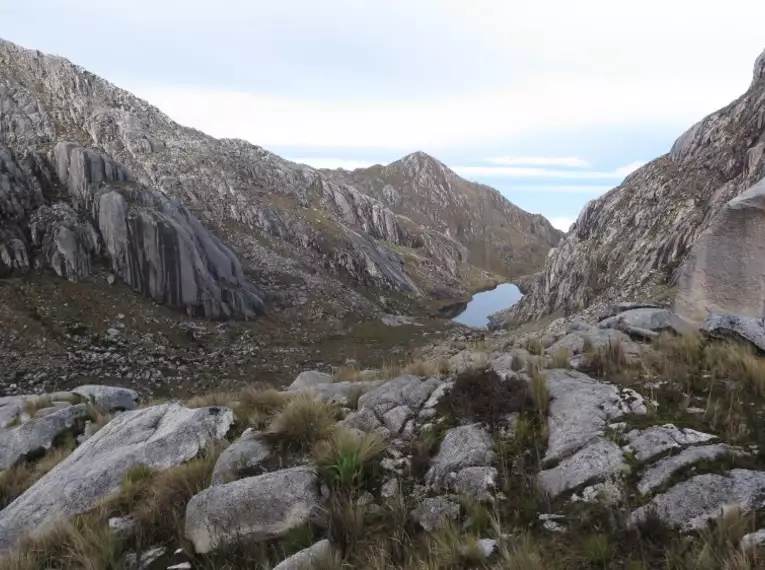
point(257, 406)
point(212, 399)
point(540, 394)
point(346, 458)
point(607, 360)
point(302, 422)
point(534, 346)
point(738, 362)
point(20, 477)
point(561, 358)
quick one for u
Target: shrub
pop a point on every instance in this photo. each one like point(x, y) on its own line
point(302, 422)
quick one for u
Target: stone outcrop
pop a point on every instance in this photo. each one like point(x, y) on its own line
point(245, 454)
point(628, 243)
point(256, 508)
point(158, 437)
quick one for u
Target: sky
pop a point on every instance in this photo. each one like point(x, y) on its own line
point(552, 102)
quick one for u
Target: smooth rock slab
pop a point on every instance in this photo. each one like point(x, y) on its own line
point(752, 540)
point(159, 437)
point(37, 434)
point(340, 393)
point(435, 513)
point(463, 446)
point(655, 440)
point(661, 472)
point(580, 409)
point(303, 559)
point(690, 505)
point(110, 398)
point(475, 482)
point(254, 509)
point(643, 318)
point(248, 452)
point(601, 459)
point(735, 326)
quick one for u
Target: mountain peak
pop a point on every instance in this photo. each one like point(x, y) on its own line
point(419, 161)
point(759, 68)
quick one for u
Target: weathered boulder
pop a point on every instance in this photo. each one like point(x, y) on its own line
point(409, 391)
point(10, 408)
point(753, 540)
point(735, 327)
point(462, 447)
point(475, 482)
point(690, 505)
point(304, 559)
point(642, 323)
point(110, 398)
point(246, 453)
point(574, 343)
point(340, 393)
point(434, 513)
point(650, 442)
point(661, 471)
point(158, 437)
point(36, 434)
point(725, 270)
point(256, 508)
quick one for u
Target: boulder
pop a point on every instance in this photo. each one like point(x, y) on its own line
point(248, 452)
point(254, 509)
point(158, 437)
point(599, 338)
point(36, 434)
point(463, 446)
point(621, 308)
point(10, 408)
point(310, 378)
point(434, 513)
point(735, 327)
point(340, 393)
point(690, 505)
point(725, 269)
point(601, 459)
point(110, 398)
point(642, 319)
point(304, 559)
point(409, 391)
point(753, 540)
point(650, 442)
point(474, 482)
point(661, 472)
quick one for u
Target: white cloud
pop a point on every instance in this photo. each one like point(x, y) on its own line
point(332, 163)
point(528, 172)
point(565, 161)
point(563, 224)
point(566, 189)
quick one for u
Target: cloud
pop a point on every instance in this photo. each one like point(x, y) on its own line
point(528, 172)
point(562, 188)
point(565, 161)
point(563, 224)
point(332, 163)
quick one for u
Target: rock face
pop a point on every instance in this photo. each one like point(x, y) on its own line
point(109, 398)
point(159, 437)
point(628, 243)
point(725, 270)
point(90, 171)
point(257, 508)
point(426, 191)
point(734, 326)
point(244, 454)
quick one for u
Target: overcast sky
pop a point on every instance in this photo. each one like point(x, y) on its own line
point(550, 101)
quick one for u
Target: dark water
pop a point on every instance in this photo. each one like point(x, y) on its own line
point(476, 312)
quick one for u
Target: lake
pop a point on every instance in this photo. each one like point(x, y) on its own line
point(478, 309)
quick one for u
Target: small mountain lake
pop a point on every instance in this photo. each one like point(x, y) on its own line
point(476, 311)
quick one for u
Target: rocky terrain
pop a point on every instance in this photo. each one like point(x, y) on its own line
point(629, 243)
point(499, 236)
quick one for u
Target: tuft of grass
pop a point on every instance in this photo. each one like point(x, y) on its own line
point(737, 361)
point(449, 548)
point(534, 346)
point(346, 521)
point(517, 363)
point(598, 550)
point(302, 422)
point(522, 552)
point(211, 399)
point(258, 406)
point(32, 406)
point(346, 458)
point(561, 358)
point(540, 394)
point(607, 360)
point(348, 373)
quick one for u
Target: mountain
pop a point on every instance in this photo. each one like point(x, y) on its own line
point(499, 236)
point(630, 242)
point(93, 176)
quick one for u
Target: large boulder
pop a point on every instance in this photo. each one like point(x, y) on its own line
point(159, 437)
point(254, 509)
point(602, 459)
point(737, 327)
point(463, 462)
point(305, 559)
point(725, 269)
point(37, 434)
point(247, 453)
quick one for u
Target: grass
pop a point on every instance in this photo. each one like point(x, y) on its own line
point(561, 358)
point(346, 459)
point(540, 395)
point(303, 422)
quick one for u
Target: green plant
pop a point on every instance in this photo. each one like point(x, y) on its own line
point(561, 358)
point(345, 459)
point(597, 549)
point(540, 395)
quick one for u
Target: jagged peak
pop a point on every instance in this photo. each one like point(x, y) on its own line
point(759, 68)
point(418, 161)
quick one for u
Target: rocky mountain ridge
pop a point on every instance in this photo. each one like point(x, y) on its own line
point(297, 232)
point(629, 243)
point(499, 236)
